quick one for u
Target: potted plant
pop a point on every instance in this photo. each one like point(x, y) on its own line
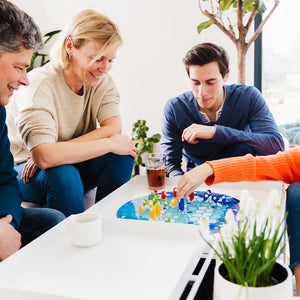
point(142, 142)
point(248, 247)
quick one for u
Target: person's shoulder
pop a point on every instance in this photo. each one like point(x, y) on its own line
point(183, 98)
point(38, 75)
point(241, 88)
point(242, 91)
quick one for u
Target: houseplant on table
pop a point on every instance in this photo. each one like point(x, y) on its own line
point(142, 142)
point(248, 247)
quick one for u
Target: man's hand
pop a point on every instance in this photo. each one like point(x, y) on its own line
point(192, 179)
point(10, 238)
point(194, 132)
point(29, 170)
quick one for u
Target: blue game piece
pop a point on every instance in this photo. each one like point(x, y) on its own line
point(181, 204)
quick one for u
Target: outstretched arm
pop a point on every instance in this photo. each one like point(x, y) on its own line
point(283, 166)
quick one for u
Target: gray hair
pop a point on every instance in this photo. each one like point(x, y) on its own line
point(17, 29)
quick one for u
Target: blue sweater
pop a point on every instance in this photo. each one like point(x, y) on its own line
point(10, 197)
point(245, 119)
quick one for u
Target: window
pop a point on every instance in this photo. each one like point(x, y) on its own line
point(281, 62)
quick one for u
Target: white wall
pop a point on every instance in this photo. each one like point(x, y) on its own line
point(157, 34)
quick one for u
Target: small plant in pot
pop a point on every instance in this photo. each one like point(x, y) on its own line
point(142, 142)
point(248, 247)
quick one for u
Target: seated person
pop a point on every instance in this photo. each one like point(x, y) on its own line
point(19, 35)
point(215, 120)
point(284, 166)
point(54, 120)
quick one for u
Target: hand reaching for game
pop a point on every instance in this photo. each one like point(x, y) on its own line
point(123, 145)
point(29, 170)
point(192, 179)
point(194, 132)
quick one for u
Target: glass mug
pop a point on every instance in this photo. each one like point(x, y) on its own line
point(156, 170)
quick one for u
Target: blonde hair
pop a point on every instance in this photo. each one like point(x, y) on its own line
point(88, 25)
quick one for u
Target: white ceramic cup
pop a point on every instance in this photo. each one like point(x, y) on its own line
point(86, 229)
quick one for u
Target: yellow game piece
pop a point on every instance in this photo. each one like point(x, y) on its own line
point(152, 214)
point(141, 208)
point(157, 209)
point(173, 202)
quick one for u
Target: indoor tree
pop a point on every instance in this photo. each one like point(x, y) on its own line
point(234, 18)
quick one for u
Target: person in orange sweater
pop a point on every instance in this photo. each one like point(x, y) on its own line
point(283, 166)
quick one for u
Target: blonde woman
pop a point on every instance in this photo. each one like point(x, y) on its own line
point(59, 150)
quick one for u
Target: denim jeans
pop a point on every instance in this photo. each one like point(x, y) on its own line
point(63, 187)
point(293, 223)
point(36, 221)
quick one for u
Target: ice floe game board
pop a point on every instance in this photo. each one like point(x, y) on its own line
point(165, 207)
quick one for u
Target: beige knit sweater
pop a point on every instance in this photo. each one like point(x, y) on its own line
point(47, 111)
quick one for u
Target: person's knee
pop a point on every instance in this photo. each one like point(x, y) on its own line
point(54, 216)
point(120, 167)
point(64, 176)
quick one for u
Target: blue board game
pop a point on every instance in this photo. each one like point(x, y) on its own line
point(165, 207)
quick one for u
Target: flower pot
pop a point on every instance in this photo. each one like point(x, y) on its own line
point(224, 289)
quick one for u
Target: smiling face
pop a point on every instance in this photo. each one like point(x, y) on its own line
point(13, 67)
point(82, 70)
point(207, 86)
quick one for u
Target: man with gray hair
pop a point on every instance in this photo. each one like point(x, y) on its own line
point(19, 36)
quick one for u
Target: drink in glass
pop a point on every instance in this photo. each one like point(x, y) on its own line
point(156, 170)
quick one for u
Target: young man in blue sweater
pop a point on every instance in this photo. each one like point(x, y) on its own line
point(215, 120)
point(19, 35)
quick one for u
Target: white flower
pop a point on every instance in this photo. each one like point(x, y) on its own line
point(204, 225)
point(273, 209)
point(229, 217)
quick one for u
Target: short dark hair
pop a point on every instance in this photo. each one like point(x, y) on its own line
point(205, 53)
point(17, 29)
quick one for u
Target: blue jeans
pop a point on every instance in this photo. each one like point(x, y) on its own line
point(36, 221)
point(63, 187)
point(293, 223)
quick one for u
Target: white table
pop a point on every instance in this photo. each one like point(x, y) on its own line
point(135, 260)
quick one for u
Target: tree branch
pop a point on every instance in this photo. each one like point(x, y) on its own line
point(240, 16)
point(217, 23)
point(261, 25)
point(251, 18)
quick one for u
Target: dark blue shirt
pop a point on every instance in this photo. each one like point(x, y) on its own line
point(245, 119)
point(10, 197)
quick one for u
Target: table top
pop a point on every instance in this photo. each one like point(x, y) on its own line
point(135, 259)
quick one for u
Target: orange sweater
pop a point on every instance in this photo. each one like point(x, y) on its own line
point(283, 166)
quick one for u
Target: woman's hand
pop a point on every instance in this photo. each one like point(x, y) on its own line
point(123, 145)
point(192, 179)
point(29, 170)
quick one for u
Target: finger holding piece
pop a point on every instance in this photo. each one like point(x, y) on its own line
point(190, 181)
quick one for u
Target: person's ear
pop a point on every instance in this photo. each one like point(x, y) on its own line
point(226, 76)
point(69, 45)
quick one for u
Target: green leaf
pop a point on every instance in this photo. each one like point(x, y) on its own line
point(156, 138)
point(204, 25)
point(247, 3)
point(50, 34)
point(225, 4)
